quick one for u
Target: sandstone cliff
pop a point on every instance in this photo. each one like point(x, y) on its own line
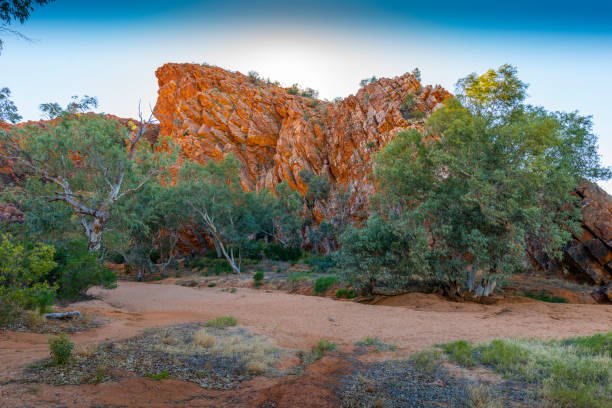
point(589, 256)
point(209, 112)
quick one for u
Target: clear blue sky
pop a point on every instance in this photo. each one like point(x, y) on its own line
point(111, 49)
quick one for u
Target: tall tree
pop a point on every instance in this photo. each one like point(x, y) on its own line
point(216, 201)
point(86, 161)
point(487, 172)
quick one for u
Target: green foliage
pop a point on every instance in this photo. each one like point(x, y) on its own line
point(298, 277)
point(277, 252)
point(254, 77)
point(214, 200)
point(461, 352)
point(408, 103)
point(575, 372)
point(321, 348)
point(76, 106)
point(258, 278)
point(546, 297)
point(85, 162)
point(324, 283)
point(416, 73)
point(378, 253)
point(164, 375)
point(60, 348)
point(482, 179)
point(78, 270)
point(597, 344)
point(428, 361)
point(346, 293)
point(496, 92)
point(23, 272)
point(367, 81)
point(19, 10)
point(222, 322)
point(321, 263)
point(8, 110)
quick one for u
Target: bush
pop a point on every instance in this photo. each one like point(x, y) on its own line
point(60, 348)
point(222, 322)
point(78, 270)
point(258, 278)
point(324, 283)
point(428, 361)
point(575, 372)
point(346, 293)
point(23, 274)
point(321, 263)
point(546, 297)
point(277, 252)
point(322, 347)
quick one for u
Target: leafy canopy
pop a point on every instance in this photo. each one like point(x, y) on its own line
point(86, 161)
point(8, 110)
point(485, 175)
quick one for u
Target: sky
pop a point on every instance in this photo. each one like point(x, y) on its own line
point(111, 49)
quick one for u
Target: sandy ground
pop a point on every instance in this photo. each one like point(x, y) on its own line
point(411, 322)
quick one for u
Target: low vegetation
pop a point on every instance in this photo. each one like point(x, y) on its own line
point(575, 372)
point(60, 349)
point(321, 348)
point(214, 358)
point(376, 344)
point(223, 322)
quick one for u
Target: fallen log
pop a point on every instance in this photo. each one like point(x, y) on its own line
point(64, 315)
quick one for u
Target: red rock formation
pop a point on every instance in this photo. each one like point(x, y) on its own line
point(210, 112)
point(590, 255)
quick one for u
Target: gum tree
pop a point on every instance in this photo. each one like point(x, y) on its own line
point(487, 172)
point(87, 161)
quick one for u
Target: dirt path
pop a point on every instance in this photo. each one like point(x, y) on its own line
point(411, 322)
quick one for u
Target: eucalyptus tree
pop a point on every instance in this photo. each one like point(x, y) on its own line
point(86, 161)
point(486, 173)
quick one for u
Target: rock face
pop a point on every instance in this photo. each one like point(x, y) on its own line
point(590, 255)
point(275, 134)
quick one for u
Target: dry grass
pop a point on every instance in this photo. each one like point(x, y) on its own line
point(203, 339)
point(481, 396)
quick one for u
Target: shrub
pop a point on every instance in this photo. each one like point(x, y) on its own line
point(460, 352)
point(427, 361)
point(573, 373)
point(160, 376)
point(258, 278)
point(546, 297)
point(321, 263)
point(277, 252)
point(23, 274)
point(324, 283)
point(346, 293)
point(78, 270)
point(222, 322)
point(60, 348)
point(322, 347)
point(203, 339)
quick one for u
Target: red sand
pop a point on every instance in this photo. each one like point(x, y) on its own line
point(411, 322)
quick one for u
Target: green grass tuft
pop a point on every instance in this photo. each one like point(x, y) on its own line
point(575, 372)
point(222, 322)
point(324, 283)
point(546, 297)
point(160, 376)
point(322, 347)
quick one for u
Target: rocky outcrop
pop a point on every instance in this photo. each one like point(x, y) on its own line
point(275, 134)
point(589, 256)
